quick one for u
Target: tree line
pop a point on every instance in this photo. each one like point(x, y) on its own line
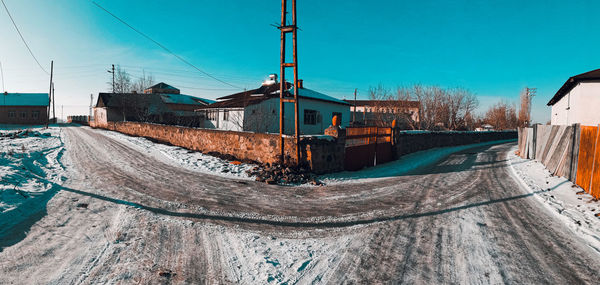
point(441, 109)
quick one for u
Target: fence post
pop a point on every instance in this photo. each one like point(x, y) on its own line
point(574, 152)
point(534, 141)
point(594, 158)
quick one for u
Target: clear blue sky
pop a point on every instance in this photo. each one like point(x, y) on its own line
point(493, 48)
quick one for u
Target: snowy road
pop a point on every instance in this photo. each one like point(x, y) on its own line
point(125, 216)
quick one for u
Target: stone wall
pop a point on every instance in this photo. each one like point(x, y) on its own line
point(256, 147)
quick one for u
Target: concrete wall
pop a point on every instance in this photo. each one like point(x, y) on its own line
point(579, 106)
point(409, 142)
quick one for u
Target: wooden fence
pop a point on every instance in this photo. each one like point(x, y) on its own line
point(572, 152)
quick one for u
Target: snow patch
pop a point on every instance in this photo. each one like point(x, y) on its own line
point(560, 196)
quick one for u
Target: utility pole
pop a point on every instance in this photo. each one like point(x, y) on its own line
point(50, 91)
point(113, 78)
point(354, 113)
point(530, 93)
point(285, 28)
point(62, 111)
point(53, 104)
point(91, 106)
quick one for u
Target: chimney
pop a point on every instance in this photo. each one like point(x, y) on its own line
point(300, 83)
point(271, 80)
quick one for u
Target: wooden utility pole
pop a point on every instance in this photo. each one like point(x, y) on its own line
point(53, 103)
point(50, 91)
point(354, 113)
point(285, 28)
point(113, 78)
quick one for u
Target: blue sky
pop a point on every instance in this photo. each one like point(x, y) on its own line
point(493, 48)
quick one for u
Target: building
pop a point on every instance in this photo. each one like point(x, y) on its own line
point(161, 103)
point(257, 110)
point(577, 101)
point(384, 112)
point(24, 108)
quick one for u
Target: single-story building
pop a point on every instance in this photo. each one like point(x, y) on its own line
point(170, 108)
point(257, 110)
point(24, 108)
point(384, 112)
point(577, 101)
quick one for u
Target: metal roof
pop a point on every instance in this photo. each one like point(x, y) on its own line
point(572, 82)
point(185, 99)
point(24, 99)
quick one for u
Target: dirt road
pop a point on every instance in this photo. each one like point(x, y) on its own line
point(126, 217)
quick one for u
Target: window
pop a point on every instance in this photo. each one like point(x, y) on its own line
point(12, 114)
point(35, 114)
point(212, 115)
point(337, 114)
point(225, 115)
point(310, 117)
point(23, 115)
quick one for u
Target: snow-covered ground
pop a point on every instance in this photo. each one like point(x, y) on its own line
point(402, 166)
point(30, 165)
point(188, 159)
point(574, 207)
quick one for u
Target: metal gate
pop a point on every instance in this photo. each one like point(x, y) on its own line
point(367, 146)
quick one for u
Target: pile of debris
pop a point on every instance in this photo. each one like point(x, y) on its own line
point(283, 175)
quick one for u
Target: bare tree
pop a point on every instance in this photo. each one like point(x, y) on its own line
point(142, 83)
point(122, 81)
point(502, 116)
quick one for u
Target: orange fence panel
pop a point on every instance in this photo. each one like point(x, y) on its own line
point(586, 156)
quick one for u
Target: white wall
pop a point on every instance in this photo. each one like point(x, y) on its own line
point(581, 105)
point(234, 121)
point(265, 117)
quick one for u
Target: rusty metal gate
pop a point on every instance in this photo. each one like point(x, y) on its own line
point(367, 146)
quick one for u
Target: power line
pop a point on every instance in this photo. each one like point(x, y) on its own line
point(23, 39)
point(165, 48)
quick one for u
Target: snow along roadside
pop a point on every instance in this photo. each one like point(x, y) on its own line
point(181, 157)
point(402, 166)
point(559, 196)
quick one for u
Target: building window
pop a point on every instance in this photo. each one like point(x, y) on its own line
point(23, 115)
point(12, 114)
point(337, 114)
point(225, 115)
point(212, 115)
point(35, 114)
point(310, 117)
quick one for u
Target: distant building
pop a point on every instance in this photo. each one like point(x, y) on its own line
point(24, 108)
point(257, 110)
point(577, 101)
point(383, 112)
point(485, 127)
point(167, 106)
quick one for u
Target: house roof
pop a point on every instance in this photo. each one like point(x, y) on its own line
point(572, 82)
point(162, 85)
point(265, 92)
point(24, 99)
point(185, 99)
point(399, 103)
point(115, 100)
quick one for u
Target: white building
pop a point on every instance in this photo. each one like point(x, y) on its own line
point(578, 100)
point(258, 110)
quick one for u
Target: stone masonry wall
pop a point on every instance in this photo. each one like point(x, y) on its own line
point(258, 147)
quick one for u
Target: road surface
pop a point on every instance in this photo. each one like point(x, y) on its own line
point(126, 217)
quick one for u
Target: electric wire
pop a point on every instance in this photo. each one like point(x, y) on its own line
point(165, 48)
point(22, 38)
